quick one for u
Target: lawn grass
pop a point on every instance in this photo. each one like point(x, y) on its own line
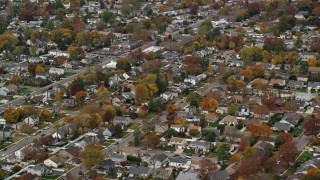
point(42, 125)
point(3, 145)
point(24, 91)
point(123, 134)
point(133, 126)
point(296, 132)
point(51, 177)
point(305, 156)
point(169, 148)
point(57, 118)
point(151, 115)
point(212, 155)
point(108, 142)
point(189, 151)
point(67, 74)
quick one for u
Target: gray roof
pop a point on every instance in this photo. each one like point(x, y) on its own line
point(282, 126)
point(200, 144)
point(179, 159)
point(140, 170)
point(159, 157)
point(220, 175)
point(187, 176)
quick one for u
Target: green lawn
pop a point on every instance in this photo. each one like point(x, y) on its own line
point(24, 91)
point(67, 74)
point(189, 151)
point(3, 145)
point(169, 148)
point(108, 142)
point(123, 134)
point(305, 156)
point(296, 132)
point(51, 177)
point(133, 126)
point(151, 115)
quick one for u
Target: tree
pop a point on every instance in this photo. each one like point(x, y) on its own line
point(206, 168)
point(260, 130)
point(193, 99)
point(26, 15)
point(7, 41)
point(313, 173)
point(123, 64)
point(118, 130)
point(110, 109)
point(209, 104)
point(126, 10)
point(312, 126)
point(232, 109)
point(223, 154)
point(273, 44)
point(11, 115)
point(45, 115)
point(249, 152)
point(171, 132)
point(142, 93)
point(40, 69)
point(108, 17)
point(80, 95)
point(137, 137)
point(253, 53)
point(312, 62)
point(61, 60)
point(266, 56)
point(63, 37)
point(209, 136)
point(291, 106)
point(91, 156)
point(151, 66)
point(192, 65)
point(288, 152)
point(75, 53)
point(67, 119)
point(27, 128)
point(151, 140)
point(235, 158)
point(194, 132)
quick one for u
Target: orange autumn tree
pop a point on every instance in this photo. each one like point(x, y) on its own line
point(260, 130)
point(80, 95)
point(209, 104)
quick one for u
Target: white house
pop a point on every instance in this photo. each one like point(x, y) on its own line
point(57, 53)
point(31, 120)
point(112, 64)
point(57, 71)
point(179, 162)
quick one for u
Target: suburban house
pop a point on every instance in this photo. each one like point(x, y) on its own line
point(161, 128)
point(210, 118)
point(200, 146)
point(295, 84)
point(140, 171)
point(158, 160)
point(229, 120)
point(131, 151)
point(279, 82)
point(107, 167)
point(280, 126)
point(117, 158)
point(178, 128)
point(39, 170)
point(177, 142)
point(6, 132)
point(188, 176)
point(31, 120)
point(56, 71)
point(58, 160)
point(179, 162)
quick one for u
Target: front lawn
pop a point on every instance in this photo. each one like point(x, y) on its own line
point(67, 74)
point(133, 126)
point(51, 177)
point(123, 134)
point(169, 148)
point(296, 132)
point(108, 142)
point(306, 155)
point(3, 145)
point(189, 151)
point(24, 91)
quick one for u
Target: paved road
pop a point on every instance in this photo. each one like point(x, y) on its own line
point(301, 142)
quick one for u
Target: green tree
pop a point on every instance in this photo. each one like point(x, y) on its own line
point(232, 109)
point(91, 156)
point(137, 137)
point(171, 132)
point(126, 10)
point(7, 41)
point(223, 154)
point(3, 27)
point(108, 16)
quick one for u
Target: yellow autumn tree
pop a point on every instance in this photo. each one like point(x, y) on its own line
point(209, 104)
